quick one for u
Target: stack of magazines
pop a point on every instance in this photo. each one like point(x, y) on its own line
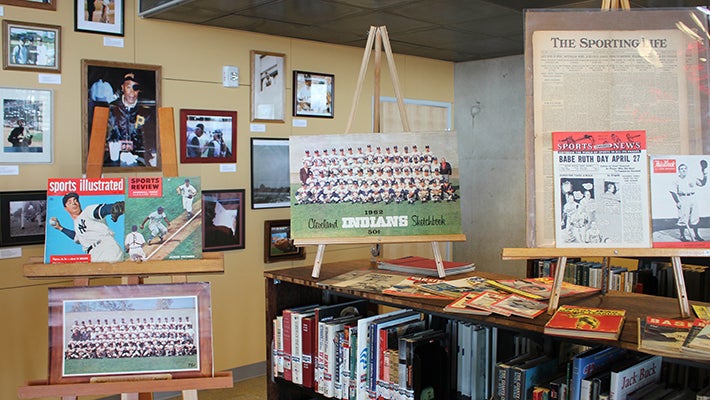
point(423, 266)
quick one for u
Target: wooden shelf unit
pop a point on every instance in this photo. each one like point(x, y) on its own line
point(295, 286)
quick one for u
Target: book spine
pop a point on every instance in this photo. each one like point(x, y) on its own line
point(517, 377)
point(296, 349)
point(288, 373)
point(308, 356)
point(274, 349)
point(626, 381)
point(501, 388)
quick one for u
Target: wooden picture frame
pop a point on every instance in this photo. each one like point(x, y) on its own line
point(22, 218)
point(313, 94)
point(278, 244)
point(41, 4)
point(31, 46)
point(223, 219)
point(109, 19)
point(268, 86)
point(27, 115)
point(270, 173)
point(132, 146)
point(119, 310)
point(208, 136)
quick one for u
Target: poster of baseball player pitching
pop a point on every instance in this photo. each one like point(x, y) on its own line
point(680, 201)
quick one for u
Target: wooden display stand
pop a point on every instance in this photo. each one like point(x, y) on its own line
point(563, 253)
point(378, 37)
point(130, 387)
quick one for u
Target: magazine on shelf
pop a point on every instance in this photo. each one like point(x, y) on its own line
point(363, 280)
point(586, 322)
point(423, 266)
point(455, 288)
point(697, 343)
point(409, 287)
point(663, 335)
point(521, 306)
point(680, 201)
point(485, 301)
point(601, 186)
point(459, 306)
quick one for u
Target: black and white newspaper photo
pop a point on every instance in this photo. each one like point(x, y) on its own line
point(601, 189)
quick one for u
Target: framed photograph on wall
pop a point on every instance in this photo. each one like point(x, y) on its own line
point(22, 217)
point(31, 47)
point(313, 94)
point(131, 92)
point(268, 86)
point(278, 244)
point(41, 4)
point(222, 219)
point(105, 17)
point(27, 116)
point(269, 173)
point(116, 314)
point(208, 136)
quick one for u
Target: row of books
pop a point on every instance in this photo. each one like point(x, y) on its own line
point(589, 273)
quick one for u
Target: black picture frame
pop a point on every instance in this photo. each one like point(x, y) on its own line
point(223, 219)
point(278, 244)
point(313, 94)
point(108, 20)
point(270, 173)
point(22, 218)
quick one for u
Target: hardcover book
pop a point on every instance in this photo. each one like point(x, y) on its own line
point(586, 322)
point(525, 376)
point(638, 372)
point(588, 363)
point(424, 266)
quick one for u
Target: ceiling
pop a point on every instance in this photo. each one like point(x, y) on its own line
point(450, 30)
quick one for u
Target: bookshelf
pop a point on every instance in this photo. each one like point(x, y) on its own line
point(295, 286)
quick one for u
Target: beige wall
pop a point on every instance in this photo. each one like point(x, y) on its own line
point(192, 58)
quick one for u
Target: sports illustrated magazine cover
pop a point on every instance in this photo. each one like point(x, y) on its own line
point(601, 189)
point(85, 221)
point(163, 219)
point(376, 184)
point(680, 201)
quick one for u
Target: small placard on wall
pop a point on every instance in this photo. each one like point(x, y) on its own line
point(11, 252)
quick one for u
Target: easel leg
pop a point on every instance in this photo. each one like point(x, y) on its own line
point(557, 285)
point(319, 261)
point(680, 287)
point(437, 259)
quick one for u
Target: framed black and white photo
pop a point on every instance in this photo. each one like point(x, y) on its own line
point(223, 219)
point(22, 217)
point(31, 47)
point(313, 94)
point(41, 4)
point(268, 86)
point(269, 173)
point(102, 16)
point(208, 136)
point(28, 130)
point(278, 244)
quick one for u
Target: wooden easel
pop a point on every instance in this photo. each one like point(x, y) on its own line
point(133, 388)
point(378, 37)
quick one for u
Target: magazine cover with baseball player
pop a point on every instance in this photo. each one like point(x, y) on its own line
point(680, 201)
point(85, 220)
point(163, 219)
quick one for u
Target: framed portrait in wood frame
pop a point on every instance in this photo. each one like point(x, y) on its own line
point(108, 18)
point(22, 217)
point(173, 319)
point(223, 219)
point(31, 47)
point(41, 4)
point(269, 173)
point(131, 92)
point(278, 244)
point(27, 118)
point(313, 94)
point(208, 136)
point(268, 86)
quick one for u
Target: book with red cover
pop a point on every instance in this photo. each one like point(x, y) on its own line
point(308, 332)
point(423, 266)
point(586, 322)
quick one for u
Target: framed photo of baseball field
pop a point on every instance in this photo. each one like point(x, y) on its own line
point(223, 219)
point(41, 4)
point(278, 244)
point(94, 332)
point(106, 17)
point(208, 136)
point(313, 94)
point(268, 86)
point(131, 92)
point(28, 128)
point(22, 217)
point(269, 173)
point(31, 46)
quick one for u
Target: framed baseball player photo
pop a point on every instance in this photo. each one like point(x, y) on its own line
point(31, 46)
point(102, 332)
point(22, 217)
point(278, 244)
point(131, 92)
point(104, 17)
point(208, 136)
point(223, 219)
point(41, 4)
point(28, 130)
point(268, 86)
point(313, 94)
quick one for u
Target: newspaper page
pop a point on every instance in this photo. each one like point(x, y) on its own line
point(610, 81)
point(601, 189)
point(680, 201)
